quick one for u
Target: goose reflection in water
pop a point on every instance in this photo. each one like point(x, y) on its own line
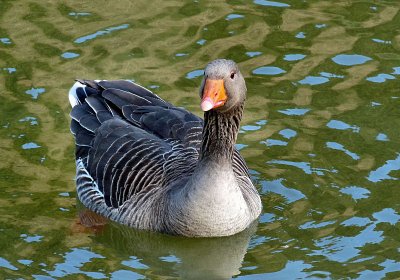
point(187, 258)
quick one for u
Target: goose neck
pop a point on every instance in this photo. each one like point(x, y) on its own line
point(220, 133)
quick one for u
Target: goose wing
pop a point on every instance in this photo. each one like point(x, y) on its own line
point(129, 140)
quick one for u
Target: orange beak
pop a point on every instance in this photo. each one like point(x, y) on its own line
point(214, 95)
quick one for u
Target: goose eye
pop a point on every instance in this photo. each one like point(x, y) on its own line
point(232, 75)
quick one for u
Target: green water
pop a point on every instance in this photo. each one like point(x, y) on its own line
point(320, 134)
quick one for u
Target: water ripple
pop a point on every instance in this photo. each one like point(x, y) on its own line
point(233, 16)
point(274, 142)
point(396, 71)
point(99, 33)
point(69, 55)
point(30, 145)
point(277, 186)
point(250, 127)
point(300, 35)
point(134, 262)
point(271, 3)
point(357, 221)
point(79, 14)
point(125, 274)
point(350, 59)
point(181, 54)
point(380, 78)
point(318, 80)
point(267, 218)
point(170, 259)
point(298, 268)
point(74, 261)
point(240, 146)
point(194, 74)
point(340, 147)
point(6, 264)
point(31, 120)
point(294, 111)
point(376, 40)
point(268, 70)
point(253, 54)
point(382, 173)
point(313, 224)
point(331, 75)
point(321, 25)
point(201, 42)
point(387, 215)
point(387, 265)
point(342, 249)
point(288, 133)
point(31, 238)
point(35, 92)
point(313, 80)
point(6, 41)
point(294, 57)
point(10, 70)
point(356, 192)
point(382, 137)
point(340, 125)
point(25, 262)
point(304, 166)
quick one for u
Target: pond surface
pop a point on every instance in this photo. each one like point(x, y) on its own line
point(320, 134)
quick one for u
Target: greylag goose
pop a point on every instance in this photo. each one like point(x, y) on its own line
point(145, 163)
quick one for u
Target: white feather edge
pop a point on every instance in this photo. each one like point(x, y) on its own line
point(72, 96)
point(74, 100)
point(81, 166)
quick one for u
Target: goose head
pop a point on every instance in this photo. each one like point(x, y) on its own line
point(223, 86)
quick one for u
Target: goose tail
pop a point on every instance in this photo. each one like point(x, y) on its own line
point(80, 91)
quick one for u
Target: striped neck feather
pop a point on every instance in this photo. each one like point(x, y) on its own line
point(220, 133)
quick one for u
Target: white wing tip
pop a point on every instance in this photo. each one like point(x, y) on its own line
point(73, 97)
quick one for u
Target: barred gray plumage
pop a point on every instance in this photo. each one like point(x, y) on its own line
point(135, 153)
